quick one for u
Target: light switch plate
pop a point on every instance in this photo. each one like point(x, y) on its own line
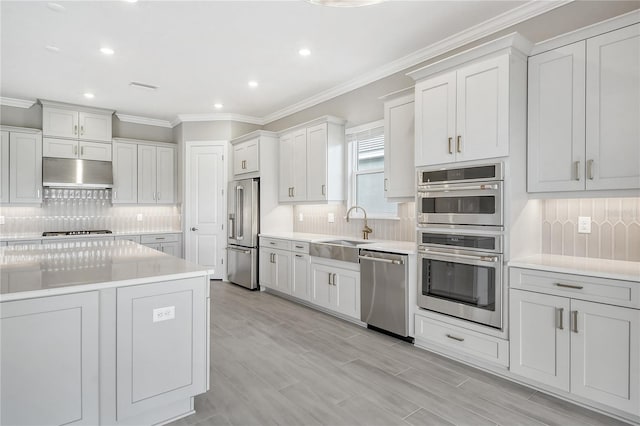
point(164, 314)
point(331, 217)
point(584, 224)
point(300, 217)
point(139, 217)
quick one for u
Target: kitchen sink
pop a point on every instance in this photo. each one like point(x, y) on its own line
point(344, 250)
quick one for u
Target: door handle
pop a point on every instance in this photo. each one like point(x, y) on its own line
point(559, 318)
point(194, 229)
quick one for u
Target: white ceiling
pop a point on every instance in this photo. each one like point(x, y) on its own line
point(202, 52)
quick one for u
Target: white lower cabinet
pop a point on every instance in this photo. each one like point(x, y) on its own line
point(167, 243)
point(586, 348)
point(300, 276)
point(335, 285)
point(275, 267)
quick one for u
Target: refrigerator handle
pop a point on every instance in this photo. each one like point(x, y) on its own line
point(240, 212)
point(232, 226)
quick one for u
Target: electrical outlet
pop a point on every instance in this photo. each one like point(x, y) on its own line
point(584, 224)
point(139, 217)
point(300, 217)
point(1, 220)
point(331, 217)
point(164, 314)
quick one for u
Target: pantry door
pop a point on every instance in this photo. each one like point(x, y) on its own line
point(205, 207)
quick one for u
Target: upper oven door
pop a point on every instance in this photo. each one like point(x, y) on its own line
point(460, 204)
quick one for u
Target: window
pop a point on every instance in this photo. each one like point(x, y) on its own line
point(366, 171)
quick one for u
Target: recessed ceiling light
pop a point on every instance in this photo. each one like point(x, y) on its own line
point(56, 7)
point(52, 48)
point(304, 52)
point(143, 85)
point(89, 95)
point(217, 106)
point(253, 83)
point(106, 51)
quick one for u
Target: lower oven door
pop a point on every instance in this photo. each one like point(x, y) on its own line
point(462, 284)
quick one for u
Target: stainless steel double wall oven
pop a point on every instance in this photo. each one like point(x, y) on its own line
point(460, 217)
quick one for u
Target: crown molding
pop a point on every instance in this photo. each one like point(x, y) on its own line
point(219, 117)
point(144, 120)
point(512, 17)
point(16, 103)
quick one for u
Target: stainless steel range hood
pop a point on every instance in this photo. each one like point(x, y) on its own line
point(72, 173)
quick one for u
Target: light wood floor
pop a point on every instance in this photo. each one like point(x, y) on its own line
point(274, 362)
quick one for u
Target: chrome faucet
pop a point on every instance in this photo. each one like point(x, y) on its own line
point(366, 230)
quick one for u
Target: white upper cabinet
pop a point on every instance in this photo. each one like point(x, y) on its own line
point(76, 122)
point(463, 115)
point(147, 176)
point(156, 174)
point(312, 162)
point(25, 167)
point(166, 175)
point(556, 120)
point(612, 110)
point(399, 135)
point(125, 173)
point(584, 104)
point(4, 167)
point(246, 157)
point(66, 148)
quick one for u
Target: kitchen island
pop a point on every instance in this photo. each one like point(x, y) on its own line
point(100, 332)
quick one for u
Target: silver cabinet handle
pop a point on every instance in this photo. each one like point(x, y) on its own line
point(324, 190)
point(330, 277)
point(379, 259)
point(272, 243)
point(75, 150)
point(450, 146)
point(452, 337)
point(576, 287)
point(299, 255)
point(75, 129)
point(38, 194)
point(590, 169)
point(334, 279)
point(424, 190)
point(459, 144)
point(293, 191)
point(459, 255)
point(115, 195)
point(574, 321)
point(559, 318)
point(576, 165)
point(290, 191)
point(82, 150)
point(194, 228)
point(82, 130)
point(160, 238)
point(386, 184)
point(154, 196)
point(158, 195)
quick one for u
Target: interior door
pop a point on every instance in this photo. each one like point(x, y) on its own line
point(205, 206)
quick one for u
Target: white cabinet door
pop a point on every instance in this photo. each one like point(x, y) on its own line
point(435, 120)
point(317, 163)
point(613, 108)
point(399, 142)
point(285, 178)
point(60, 148)
point(4, 168)
point(94, 151)
point(166, 172)
point(25, 168)
point(299, 164)
point(300, 276)
point(605, 354)
point(251, 156)
point(174, 249)
point(125, 173)
point(59, 122)
point(266, 275)
point(146, 174)
point(94, 127)
point(282, 271)
point(540, 341)
point(556, 111)
point(482, 118)
point(320, 284)
point(345, 292)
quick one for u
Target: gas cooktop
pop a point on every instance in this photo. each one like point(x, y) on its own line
point(59, 233)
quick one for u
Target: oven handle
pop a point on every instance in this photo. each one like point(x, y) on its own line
point(460, 256)
point(422, 190)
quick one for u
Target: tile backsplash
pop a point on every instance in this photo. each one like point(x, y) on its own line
point(615, 228)
point(68, 215)
point(315, 220)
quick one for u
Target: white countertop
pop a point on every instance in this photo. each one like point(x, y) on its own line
point(39, 270)
point(400, 247)
point(603, 268)
point(27, 237)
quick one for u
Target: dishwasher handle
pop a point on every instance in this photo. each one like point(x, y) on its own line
point(380, 259)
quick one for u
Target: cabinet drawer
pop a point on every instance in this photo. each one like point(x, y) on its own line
point(478, 345)
point(300, 246)
point(614, 292)
point(159, 238)
point(275, 243)
point(134, 238)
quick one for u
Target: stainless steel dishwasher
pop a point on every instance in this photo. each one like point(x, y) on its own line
point(384, 302)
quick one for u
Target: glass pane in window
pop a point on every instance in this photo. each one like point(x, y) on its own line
point(370, 150)
point(370, 194)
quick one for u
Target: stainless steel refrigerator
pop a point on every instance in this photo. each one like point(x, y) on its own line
point(243, 228)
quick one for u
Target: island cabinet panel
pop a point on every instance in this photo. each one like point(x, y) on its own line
point(49, 360)
point(161, 344)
